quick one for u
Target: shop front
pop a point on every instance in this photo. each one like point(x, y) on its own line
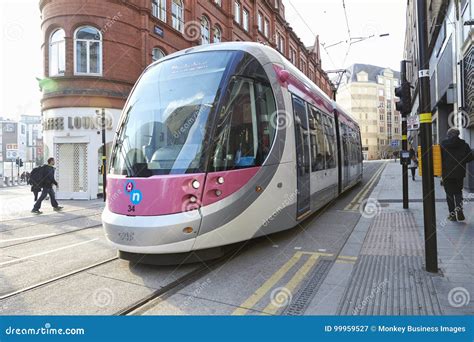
point(73, 136)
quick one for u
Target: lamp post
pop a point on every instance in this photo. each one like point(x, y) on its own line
point(101, 119)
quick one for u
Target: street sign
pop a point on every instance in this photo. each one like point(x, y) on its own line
point(413, 123)
point(395, 143)
point(11, 155)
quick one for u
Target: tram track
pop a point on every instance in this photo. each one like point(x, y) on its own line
point(56, 279)
point(47, 236)
point(49, 223)
point(172, 288)
point(54, 221)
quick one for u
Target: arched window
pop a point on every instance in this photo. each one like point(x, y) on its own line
point(178, 15)
point(217, 35)
point(205, 31)
point(88, 51)
point(57, 53)
point(157, 54)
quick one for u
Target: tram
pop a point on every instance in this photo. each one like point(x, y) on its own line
point(219, 144)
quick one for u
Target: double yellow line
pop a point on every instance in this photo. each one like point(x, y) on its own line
point(357, 201)
point(290, 287)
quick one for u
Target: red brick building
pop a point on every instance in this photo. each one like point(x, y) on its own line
point(95, 50)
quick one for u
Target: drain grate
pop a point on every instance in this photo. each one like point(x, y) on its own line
point(303, 298)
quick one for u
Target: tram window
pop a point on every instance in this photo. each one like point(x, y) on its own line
point(244, 131)
point(330, 141)
point(318, 148)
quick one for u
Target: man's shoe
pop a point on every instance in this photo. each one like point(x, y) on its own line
point(452, 218)
point(36, 212)
point(58, 208)
point(460, 216)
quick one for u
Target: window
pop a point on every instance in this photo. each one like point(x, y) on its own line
point(218, 2)
point(217, 35)
point(178, 15)
point(260, 22)
point(157, 54)
point(381, 92)
point(88, 51)
point(318, 147)
point(293, 56)
point(330, 141)
point(245, 18)
point(245, 133)
point(205, 31)
point(280, 41)
point(166, 120)
point(382, 130)
point(266, 28)
point(57, 53)
point(158, 9)
point(237, 12)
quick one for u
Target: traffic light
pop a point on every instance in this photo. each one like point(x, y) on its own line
point(17, 161)
point(404, 94)
point(21, 162)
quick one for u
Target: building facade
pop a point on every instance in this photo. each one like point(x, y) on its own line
point(451, 50)
point(94, 52)
point(368, 92)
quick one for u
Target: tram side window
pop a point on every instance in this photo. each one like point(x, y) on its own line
point(328, 124)
point(345, 144)
point(244, 133)
point(318, 148)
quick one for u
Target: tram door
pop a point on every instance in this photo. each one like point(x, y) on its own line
point(303, 164)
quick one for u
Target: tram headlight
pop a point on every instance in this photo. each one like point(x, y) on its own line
point(195, 184)
point(220, 180)
point(193, 199)
point(218, 193)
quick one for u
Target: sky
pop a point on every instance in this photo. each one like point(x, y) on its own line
point(21, 39)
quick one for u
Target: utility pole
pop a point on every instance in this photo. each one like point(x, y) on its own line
point(431, 247)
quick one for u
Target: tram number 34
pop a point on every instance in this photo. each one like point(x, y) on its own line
point(131, 208)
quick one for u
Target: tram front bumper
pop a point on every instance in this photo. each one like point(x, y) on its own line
point(165, 234)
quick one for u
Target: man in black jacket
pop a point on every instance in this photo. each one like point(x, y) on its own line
point(456, 153)
point(48, 182)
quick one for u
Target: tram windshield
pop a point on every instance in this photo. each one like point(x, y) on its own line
point(169, 117)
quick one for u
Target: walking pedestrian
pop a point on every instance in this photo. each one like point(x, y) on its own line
point(413, 166)
point(47, 184)
point(456, 153)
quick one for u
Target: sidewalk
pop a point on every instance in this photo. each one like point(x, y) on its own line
point(387, 276)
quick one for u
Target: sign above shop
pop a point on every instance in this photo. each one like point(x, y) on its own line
point(61, 123)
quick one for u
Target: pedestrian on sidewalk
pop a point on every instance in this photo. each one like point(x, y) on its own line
point(49, 181)
point(456, 153)
point(413, 164)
